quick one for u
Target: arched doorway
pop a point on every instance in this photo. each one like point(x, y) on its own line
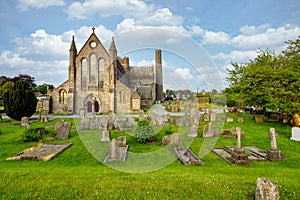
point(92, 104)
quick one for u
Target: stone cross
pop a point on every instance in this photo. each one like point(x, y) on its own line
point(238, 135)
point(272, 136)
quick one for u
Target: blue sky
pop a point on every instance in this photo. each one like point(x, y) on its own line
point(199, 38)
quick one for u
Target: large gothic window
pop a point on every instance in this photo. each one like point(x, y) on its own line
point(101, 72)
point(84, 73)
point(93, 69)
point(62, 96)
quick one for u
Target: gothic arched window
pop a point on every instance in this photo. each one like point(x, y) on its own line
point(84, 73)
point(93, 69)
point(101, 72)
point(62, 96)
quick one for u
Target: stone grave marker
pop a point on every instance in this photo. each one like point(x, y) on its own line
point(229, 120)
point(238, 155)
point(240, 120)
point(206, 117)
point(141, 114)
point(193, 131)
point(25, 121)
point(176, 139)
point(210, 131)
point(94, 125)
point(259, 119)
point(274, 154)
point(84, 124)
point(295, 134)
point(166, 140)
point(63, 130)
point(266, 190)
point(179, 121)
point(105, 135)
point(213, 116)
point(121, 141)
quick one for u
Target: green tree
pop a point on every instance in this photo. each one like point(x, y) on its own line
point(19, 99)
point(43, 88)
point(269, 81)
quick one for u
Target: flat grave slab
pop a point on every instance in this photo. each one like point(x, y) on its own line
point(41, 151)
point(254, 153)
point(187, 157)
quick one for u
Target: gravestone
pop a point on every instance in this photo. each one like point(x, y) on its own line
point(179, 121)
point(259, 119)
point(193, 131)
point(187, 157)
point(166, 140)
point(131, 122)
point(176, 139)
point(238, 155)
point(229, 120)
point(240, 120)
point(266, 190)
point(63, 130)
point(141, 114)
point(274, 154)
point(94, 125)
point(206, 117)
point(186, 121)
point(226, 132)
point(121, 141)
point(210, 131)
point(295, 134)
point(117, 150)
point(84, 124)
point(25, 121)
point(159, 120)
point(213, 116)
point(105, 135)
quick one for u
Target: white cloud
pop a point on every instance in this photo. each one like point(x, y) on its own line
point(236, 56)
point(137, 10)
point(215, 38)
point(184, 72)
point(26, 4)
point(263, 37)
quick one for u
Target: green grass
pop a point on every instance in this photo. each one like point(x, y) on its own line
point(77, 174)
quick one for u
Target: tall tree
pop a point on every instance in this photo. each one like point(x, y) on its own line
point(270, 80)
point(19, 99)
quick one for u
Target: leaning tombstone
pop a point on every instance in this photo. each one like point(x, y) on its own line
point(274, 154)
point(266, 190)
point(63, 130)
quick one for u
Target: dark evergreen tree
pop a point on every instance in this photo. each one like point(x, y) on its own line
point(19, 99)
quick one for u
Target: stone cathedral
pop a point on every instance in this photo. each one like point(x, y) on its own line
point(101, 82)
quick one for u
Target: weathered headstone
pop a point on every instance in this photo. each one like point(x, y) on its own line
point(266, 190)
point(193, 131)
point(206, 117)
point(274, 154)
point(176, 139)
point(94, 125)
point(226, 132)
point(187, 157)
point(295, 134)
point(141, 115)
point(259, 119)
point(210, 131)
point(229, 120)
point(63, 130)
point(121, 141)
point(105, 135)
point(213, 116)
point(84, 124)
point(166, 140)
point(240, 120)
point(25, 121)
point(179, 121)
point(117, 150)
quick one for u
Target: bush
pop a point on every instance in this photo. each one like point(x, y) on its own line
point(33, 134)
point(144, 131)
point(169, 130)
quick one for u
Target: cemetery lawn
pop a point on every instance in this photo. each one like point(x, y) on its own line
point(76, 174)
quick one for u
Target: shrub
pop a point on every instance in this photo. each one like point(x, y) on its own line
point(33, 134)
point(144, 131)
point(169, 130)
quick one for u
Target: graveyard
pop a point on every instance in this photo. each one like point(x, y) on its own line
point(76, 173)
